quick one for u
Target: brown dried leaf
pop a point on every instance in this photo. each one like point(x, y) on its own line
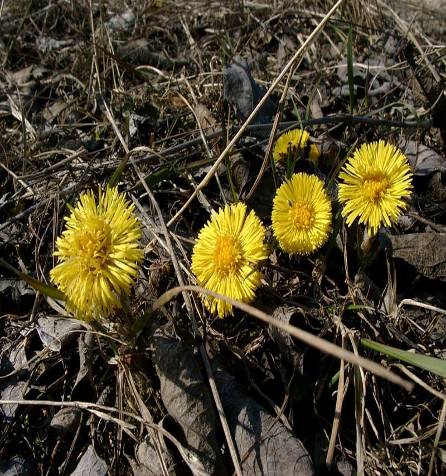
point(425, 251)
point(264, 444)
point(187, 399)
point(241, 90)
point(90, 464)
point(423, 160)
point(286, 344)
point(56, 332)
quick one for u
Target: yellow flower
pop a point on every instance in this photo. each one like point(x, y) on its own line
point(98, 254)
point(294, 141)
point(225, 256)
point(376, 179)
point(301, 214)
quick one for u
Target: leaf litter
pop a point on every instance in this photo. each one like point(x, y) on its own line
point(60, 63)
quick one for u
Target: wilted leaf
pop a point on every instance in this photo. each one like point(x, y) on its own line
point(244, 93)
point(85, 342)
point(44, 288)
point(13, 391)
point(148, 460)
point(239, 171)
point(18, 466)
point(90, 464)
point(286, 343)
point(425, 251)
point(187, 399)
point(141, 51)
point(14, 362)
point(55, 332)
point(66, 419)
point(51, 112)
point(45, 44)
point(265, 445)
point(121, 22)
point(205, 118)
point(16, 287)
point(423, 160)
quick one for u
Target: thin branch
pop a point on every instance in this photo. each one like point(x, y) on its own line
point(304, 336)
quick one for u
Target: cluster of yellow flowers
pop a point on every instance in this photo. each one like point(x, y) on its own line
point(98, 253)
point(229, 248)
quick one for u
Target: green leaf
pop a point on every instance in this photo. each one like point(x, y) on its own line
point(158, 176)
point(118, 172)
point(431, 364)
point(43, 288)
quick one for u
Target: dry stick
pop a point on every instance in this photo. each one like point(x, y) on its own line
point(304, 336)
point(420, 382)
point(207, 365)
point(148, 417)
point(95, 55)
point(237, 136)
point(440, 426)
point(360, 389)
point(273, 131)
point(338, 408)
point(99, 411)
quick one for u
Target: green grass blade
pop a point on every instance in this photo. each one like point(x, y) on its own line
point(43, 288)
point(118, 172)
point(432, 364)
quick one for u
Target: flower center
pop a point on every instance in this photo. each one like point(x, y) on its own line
point(227, 254)
point(93, 245)
point(302, 215)
point(375, 186)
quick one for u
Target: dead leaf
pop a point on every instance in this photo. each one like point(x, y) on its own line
point(90, 464)
point(264, 444)
point(52, 111)
point(85, 342)
point(425, 251)
point(121, 22)
point(244, 93)
point(55, 332)
point(66, 419)
point(18, 466)
point(14, 391)
point(187, 398)
point(423, 160)
point(286, 343)
point(205, 118)
point(147, 457)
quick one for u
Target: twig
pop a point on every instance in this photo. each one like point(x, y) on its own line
point(237, 136)
point(306, 337)
point(211, 381)
point(440, 427)
point(338, 409)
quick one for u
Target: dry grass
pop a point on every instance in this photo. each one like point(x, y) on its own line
point(87, 94)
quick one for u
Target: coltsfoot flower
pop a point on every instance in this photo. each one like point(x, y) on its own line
point(226, 254)
point(98, 254)
point(377, 179)
point(301, 216)
point(293, 141)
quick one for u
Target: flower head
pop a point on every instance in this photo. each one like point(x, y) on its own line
point(225, 256)
point(293, 141)
point(301, 214)
point(98, 254)
point(376, 180)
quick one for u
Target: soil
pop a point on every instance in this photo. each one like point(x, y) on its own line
point(147, 96)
